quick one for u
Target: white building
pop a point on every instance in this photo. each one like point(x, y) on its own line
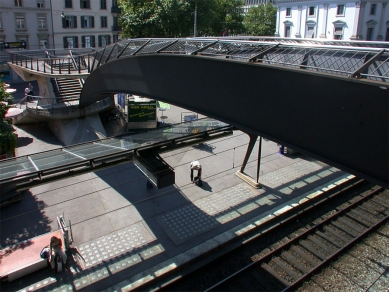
point(338, 20)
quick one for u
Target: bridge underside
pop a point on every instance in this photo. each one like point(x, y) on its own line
point(341, 121)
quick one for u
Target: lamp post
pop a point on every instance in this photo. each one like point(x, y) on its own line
point(52, 25)
point(195, 21)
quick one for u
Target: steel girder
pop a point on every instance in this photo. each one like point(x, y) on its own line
point(338, 120)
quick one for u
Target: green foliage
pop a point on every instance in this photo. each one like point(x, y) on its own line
point(7, 137)
point(261, 20)
point(175, 18)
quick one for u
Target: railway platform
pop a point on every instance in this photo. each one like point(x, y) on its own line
point(126, 235)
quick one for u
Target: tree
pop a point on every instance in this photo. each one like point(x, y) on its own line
point(175, 18)
point(261, 20)
point(7, 137)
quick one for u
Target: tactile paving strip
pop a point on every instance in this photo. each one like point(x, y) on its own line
point(291, 173)
point(113, 244)
point(205, 214)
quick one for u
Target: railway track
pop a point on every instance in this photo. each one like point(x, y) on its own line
point(295, 261)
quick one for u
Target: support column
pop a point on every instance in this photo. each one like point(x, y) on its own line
point(357, 10)
point(361, 20)
point(298, 34)
point(381, 22)
point(324, 23)
point(240, 173)
point(277, 33)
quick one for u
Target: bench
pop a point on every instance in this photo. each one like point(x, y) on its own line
point(24, 258)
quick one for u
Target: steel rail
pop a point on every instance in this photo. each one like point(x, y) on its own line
point(297, 239)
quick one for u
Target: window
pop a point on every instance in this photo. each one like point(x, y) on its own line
point(311, 11)
point(104, 40)
point(287, 31)
point(1, 23)
point(103, 21)
point(340, 10)
point(19, 3)
point(103, 4)
point(70, 42)
point(20, 22)
point(85, 4)
point(87, 21)
point(68, 4)
point(88, 41)
point(338, 33)
point(69, 22)
point(387, 35)
point(42, 22)
point(43, 44)
point(309, 33)
point(369, 35)
point(288, 11)
point(115, 38)
point(373, 9)
point(40, 3)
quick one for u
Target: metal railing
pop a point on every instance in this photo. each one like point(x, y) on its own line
point(357, 59)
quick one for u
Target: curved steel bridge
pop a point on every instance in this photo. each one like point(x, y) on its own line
point(326, 99)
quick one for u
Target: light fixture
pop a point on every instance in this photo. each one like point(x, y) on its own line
point(63, 14)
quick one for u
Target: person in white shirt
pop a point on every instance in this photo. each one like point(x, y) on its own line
point(195, 165)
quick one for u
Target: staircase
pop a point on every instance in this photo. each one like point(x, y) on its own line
point(66, 89)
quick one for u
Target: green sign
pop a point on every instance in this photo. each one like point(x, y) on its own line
point(142, 112)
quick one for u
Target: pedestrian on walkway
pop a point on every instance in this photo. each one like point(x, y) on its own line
point(195, 165)
point(27, 93)
point(31, 91)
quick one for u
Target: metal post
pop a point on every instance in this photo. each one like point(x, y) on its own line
point(253, 139)
point(259, 157)
point(195, 21)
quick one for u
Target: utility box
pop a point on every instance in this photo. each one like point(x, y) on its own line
point(142, 113)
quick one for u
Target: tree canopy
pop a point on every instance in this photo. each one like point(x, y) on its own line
point(261, 20)
point(7, 137)
point(175, 18)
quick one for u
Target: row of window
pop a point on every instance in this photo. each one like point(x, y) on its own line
point(67, 22)
point(70, 21)
point(339, 10)
point(21, 22)
point(84, 4)
point(338, 32)
point(71, 42)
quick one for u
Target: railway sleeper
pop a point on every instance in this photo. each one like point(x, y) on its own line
point(313, 250)
point(375, 206)
point(292, 260)
point(335, 232)
point(369, 217)
point(381, 201)
point(353, 225)
point(287, 269)
point(304, 254)
point(348, 231)
point(324, 244)
point(268, 269)
point(360, 219)
point(370, 211)
point(329, 239)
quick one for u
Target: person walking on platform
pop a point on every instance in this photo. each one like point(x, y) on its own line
point(195, 165)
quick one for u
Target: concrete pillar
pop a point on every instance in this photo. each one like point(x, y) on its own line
point(381, 23)
point(357, 12)
point(361, 20)
point(277, 32)
point(298, 34)
point(324, 23)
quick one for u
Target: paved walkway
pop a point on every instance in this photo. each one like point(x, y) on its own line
point(126, 234)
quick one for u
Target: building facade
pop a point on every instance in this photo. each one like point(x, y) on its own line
point(49, 24)
point(85, 23)
point(338, 20)
point(27, 22)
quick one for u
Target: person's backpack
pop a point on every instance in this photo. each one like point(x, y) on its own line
point(45, 253)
